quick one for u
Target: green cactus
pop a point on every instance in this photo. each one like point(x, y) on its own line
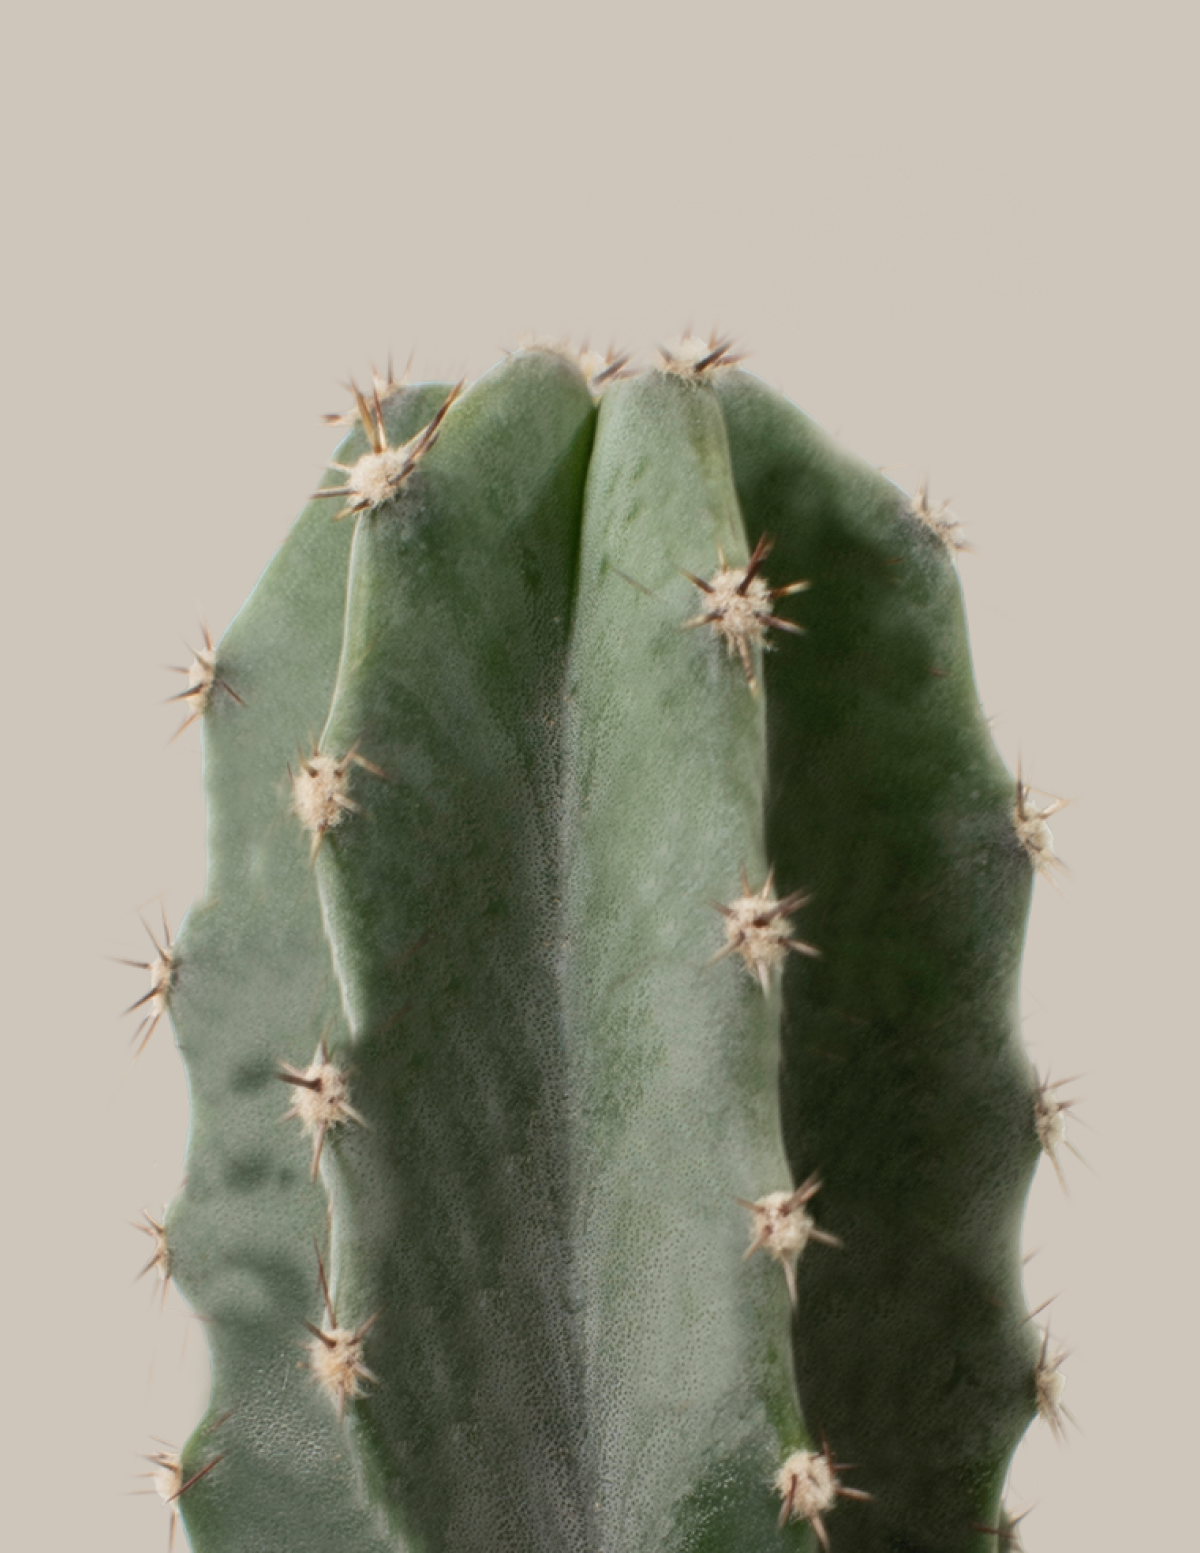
point(585, 915)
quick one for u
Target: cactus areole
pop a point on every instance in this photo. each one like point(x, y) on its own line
point(610, 1123)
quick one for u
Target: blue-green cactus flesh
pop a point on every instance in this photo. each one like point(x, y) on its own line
point(610, 1123)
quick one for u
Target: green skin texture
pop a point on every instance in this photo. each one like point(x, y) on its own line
point(254, 987)
point(552, 1230)
point(511, 947)
point(903, 1077)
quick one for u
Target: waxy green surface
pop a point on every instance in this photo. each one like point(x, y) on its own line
point(904, 1079)
point(511, 946)
point(254, 988)
point(562, 1100)
point(690, 1400)
point(450, 1210)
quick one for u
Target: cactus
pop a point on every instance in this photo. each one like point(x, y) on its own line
point(609, 1116)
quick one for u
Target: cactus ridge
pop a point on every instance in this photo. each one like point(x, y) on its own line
point(583, 917)
point(903, 1078)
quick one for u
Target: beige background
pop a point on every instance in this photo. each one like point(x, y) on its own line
point(963, 236)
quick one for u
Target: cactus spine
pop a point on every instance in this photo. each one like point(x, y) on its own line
point(609, 1113)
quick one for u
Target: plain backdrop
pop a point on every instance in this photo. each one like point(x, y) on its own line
point(962, 236)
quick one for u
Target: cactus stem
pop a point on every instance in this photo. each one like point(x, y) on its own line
point(378, 475)
point(320, 796)
point(810, 1488)
point(782, 1227)
point(938, 519)
point(740, 606)
point(335, 1353)
point(598, 367)
point(162, 976)
point(202, 681)
point(160, 1260)
point(322, 1099)
point(1032, 830)
point(1049, 1382)
point(758, 927)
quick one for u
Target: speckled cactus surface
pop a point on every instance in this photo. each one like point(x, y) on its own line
point(610, 1124)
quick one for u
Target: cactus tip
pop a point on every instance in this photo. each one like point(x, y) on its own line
point(378, 475)
point(599, 367)
point(602, 369)
point(382, 389)
point(693, 357)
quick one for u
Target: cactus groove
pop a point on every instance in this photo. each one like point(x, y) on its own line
point(610, 1122)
